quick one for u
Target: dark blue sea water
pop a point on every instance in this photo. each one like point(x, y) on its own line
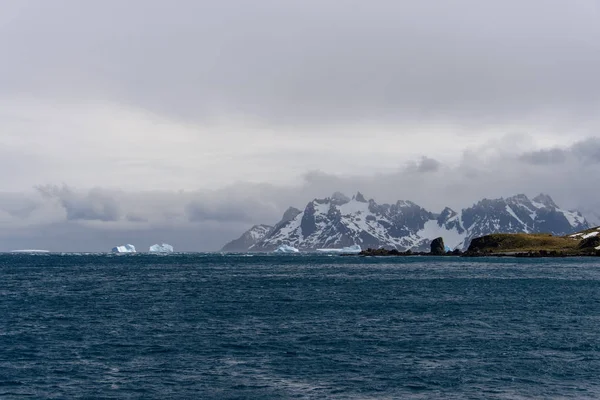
point(229, 327)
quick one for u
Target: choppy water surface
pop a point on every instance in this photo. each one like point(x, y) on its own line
point(213, 326)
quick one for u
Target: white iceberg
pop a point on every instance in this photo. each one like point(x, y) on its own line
point(284, 248)
point(127, 248)
point(30, 251)
point(345, 250)
point(161, 248)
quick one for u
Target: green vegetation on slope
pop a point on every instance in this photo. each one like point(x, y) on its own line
point(533, 244)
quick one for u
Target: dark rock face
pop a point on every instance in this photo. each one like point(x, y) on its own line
point(437, 247)
point(308, 224)
point(481, 244)
point(339, 198)
point(359, 197)
point(589, 243)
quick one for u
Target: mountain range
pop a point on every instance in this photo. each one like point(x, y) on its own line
point(339, 221)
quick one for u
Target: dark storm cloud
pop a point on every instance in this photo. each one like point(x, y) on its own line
point(17, 205)
point(311, 61)
point(135, 218)
point(424, 165)
point(585, 152)
point(222, 207)
point(198, 211)
point(96, 204)
point(545, 157)
point(588, 150)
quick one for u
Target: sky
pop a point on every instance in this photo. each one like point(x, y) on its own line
point(188, 121)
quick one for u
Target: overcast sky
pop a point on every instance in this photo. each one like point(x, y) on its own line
point(187, 121)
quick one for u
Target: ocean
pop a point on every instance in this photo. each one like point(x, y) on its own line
point(212, 326)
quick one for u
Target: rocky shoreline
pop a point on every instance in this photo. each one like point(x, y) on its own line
point(582, 244)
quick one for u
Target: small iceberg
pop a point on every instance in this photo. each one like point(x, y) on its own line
point(127, 248)
point(284, 248)
point(344, 250)
point(161, 248)
point(30, 251)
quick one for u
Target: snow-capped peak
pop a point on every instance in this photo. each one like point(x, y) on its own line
point(359, 197)
point(545, 200)
point(337, 222)
point(339, 198)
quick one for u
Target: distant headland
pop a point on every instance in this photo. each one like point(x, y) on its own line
point(584, 243)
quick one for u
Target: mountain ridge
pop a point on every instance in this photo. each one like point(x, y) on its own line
point(340, 221)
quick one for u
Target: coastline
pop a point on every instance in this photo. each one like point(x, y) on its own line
point(521, 245)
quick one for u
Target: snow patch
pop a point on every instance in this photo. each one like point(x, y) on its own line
point(512, 213)
point(574, 218)
point(451, 237)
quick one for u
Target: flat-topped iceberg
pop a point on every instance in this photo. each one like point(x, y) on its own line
point(126, 248)
point(286, 249)
point(30, 251)
point(161, 248)
point(345, 250)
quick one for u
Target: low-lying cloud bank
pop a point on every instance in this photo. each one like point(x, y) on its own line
point(65, 218)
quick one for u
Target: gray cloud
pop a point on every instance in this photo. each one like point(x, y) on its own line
point(424, 165)
point(311, 61)
point(68, 219)
point(197, 212)
point(197, 119)
point(587, 150)
point(544, 157)
point(96, 204)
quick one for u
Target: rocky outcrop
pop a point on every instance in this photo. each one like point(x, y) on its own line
point(437, 247)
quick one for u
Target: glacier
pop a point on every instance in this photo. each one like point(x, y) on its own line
point(284, 248)
point(127, 248)
point(344, 250)
point(161, 248)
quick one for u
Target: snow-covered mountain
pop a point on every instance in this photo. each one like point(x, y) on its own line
point(248, 239)
point(258, 232)
point(339, 221)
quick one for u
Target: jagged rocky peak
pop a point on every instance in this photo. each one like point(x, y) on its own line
point(359, 197)
point(405, 204)
point(289, 215)
point(339, 198)
point(446, 215)
point(545, 200)
point(520, 199)
point(336, 222)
